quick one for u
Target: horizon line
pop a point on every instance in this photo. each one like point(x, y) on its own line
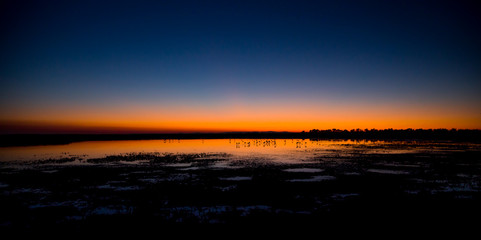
point(134, 132)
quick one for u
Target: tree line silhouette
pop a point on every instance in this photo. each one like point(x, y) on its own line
point(422, 134)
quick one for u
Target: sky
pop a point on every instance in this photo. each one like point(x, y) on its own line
point(218, 66)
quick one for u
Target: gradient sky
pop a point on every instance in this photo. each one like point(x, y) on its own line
point(188, 66)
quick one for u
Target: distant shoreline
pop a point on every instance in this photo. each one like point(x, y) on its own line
point(8, 140)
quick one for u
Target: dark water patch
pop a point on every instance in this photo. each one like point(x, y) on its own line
point(236, 178)
point(314, 179)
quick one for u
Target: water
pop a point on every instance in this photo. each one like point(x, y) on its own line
point(237, 181)
point(277, 150)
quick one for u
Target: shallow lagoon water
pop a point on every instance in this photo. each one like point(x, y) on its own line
point(275, 150)
point(246, 181)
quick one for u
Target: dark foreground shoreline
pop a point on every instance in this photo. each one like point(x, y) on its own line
point(373, 134)
point(182, 193)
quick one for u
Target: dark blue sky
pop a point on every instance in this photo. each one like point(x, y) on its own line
point(58, 55)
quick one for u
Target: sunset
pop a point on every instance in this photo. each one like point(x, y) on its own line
point(284, 114)
point(238, 66)
point(226, 113)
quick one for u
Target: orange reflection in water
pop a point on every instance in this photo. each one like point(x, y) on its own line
point(267, 148)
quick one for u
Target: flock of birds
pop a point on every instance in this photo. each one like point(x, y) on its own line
point(266, 143)
point(255, 142)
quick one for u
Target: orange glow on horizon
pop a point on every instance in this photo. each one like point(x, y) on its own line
point(223, 126)
point(291, 117)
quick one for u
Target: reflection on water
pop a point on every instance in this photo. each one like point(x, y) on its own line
point(283, 150)
point(236, 181)
point(274, 148)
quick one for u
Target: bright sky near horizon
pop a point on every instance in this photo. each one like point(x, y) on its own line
point(214, 66)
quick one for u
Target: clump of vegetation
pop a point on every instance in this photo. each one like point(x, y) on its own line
point(57, 160)
point(158, 158)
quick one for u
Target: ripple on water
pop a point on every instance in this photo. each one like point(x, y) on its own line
point(178, 165)
point(304, 170)
point(386, 171)
point(238, 178)
point(314, 179)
